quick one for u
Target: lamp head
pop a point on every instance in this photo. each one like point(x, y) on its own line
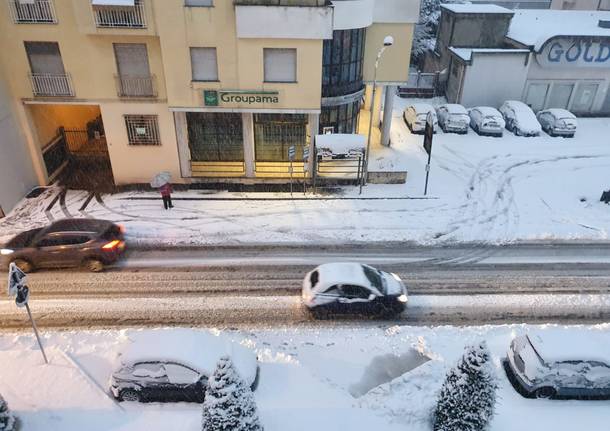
point(388, 41)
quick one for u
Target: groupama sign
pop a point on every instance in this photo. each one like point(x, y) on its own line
point(575, 52)
point(239, 97)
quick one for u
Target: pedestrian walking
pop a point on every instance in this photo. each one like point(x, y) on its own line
point(166, 195)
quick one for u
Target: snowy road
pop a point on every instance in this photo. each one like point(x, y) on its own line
point(232, 287)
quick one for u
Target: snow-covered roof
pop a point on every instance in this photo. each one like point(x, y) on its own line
point(421, 108)
point(197, 349)
point(466, 53)
point(488, 111)
point(560, 113)
point(341, 143)
point(341, 273)
point(534, 27)
point(476, 8)
point(554, 347)
point(454, 108)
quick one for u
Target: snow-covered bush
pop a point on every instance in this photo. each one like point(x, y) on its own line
point(424, 38)
point(468, 396)
point(229, 403)
point(7, 420)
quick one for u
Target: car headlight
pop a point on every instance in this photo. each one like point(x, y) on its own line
point(6, 251)
point(402, 298)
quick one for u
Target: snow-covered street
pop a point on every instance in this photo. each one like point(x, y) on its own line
point(307, 380)
point(487, 189)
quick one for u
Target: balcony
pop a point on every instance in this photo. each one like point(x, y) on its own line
point(53, 85)
point(136, 86)
point(119, 13)
point(32, 12)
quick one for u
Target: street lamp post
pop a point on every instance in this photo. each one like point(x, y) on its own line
point(387, 41)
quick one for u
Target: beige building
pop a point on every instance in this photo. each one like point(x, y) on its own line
point(208, 90)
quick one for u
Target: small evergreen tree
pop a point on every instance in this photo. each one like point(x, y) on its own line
point(7, 419)
point(229, 403)
point(468, 396)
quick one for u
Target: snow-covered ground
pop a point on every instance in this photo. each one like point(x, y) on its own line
point(481, 189)
point(307, 378)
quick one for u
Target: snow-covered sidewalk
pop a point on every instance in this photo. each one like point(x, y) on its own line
point(481, 189)
point(307, 380)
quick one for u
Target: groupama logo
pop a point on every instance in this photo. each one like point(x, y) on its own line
point(214, 97)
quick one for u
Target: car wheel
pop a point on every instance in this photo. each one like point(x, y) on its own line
point(319, 313)
point(130, 395)
point(545, 392)
point(94, 265)
point(24, 265)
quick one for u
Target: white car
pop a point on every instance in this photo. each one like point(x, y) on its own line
point(415, 116)
point(486, 121)
point(520, 118)
point(547, 365)
point(353, 288)
point(453, 117)
point(174, 365)
point(558, 122)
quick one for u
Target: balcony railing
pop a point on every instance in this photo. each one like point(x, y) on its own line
point(136, 86)
point(121, 16)
point(37, 12)
point(47, 84)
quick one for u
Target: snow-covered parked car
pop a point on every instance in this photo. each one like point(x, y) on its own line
point(453, 118)
point(486, 120)
point(353, 288)
point(520, 119)
point(548, 366)
point(558, 122)
point(415, 116)
point(174, 365)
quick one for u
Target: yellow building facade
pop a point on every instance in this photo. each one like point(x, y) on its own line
point(208, 90)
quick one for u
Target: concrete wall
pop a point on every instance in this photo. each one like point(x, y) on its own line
point(17, 175)
point(494, 78)
point(394, 66)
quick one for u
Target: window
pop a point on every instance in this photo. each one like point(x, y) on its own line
point(352, 291)
point(204, 64)
point(274, 134)
point(373, 276)
point(44, 58)
point(215, 136)
point(152, 371)
point(180, 375)
point(142, 129)
point(196, 3)
point(132, 59)
point(280, 64)
point(314, 278)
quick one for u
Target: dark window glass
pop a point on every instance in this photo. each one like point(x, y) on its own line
point(275, 133)
point(343, 56)
point(215, 136)
point(342, 118)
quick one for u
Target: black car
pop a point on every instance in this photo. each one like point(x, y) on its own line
point(66, 243)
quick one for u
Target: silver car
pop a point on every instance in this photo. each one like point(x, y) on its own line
point(486, 120)
point(550, 366)
point(558, 122)
point(453, 118)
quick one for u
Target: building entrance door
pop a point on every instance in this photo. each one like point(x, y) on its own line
point(560, 95)
point(536, 96)
point(584, 97)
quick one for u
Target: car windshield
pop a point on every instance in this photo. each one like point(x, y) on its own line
point(374, 277)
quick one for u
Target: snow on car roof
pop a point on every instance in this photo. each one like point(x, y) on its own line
point(455, 108)
point(341, 143)
point(340, 273)
point(535, 27)
point(560, 113)
point(554, 347)
point(197, 349)
point(421, 108)
point(476, 8)
point(488, 111)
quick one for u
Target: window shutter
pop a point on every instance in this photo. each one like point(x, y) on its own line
point(45, 57)
point(132, 59)
point(198, 3)
point(204, 64)
point(280, 64)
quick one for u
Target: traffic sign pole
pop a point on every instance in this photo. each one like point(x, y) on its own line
point(27, 307)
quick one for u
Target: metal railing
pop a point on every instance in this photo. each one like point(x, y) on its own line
point(121, 16)
point(136, 86)
point(49, 84)
point(55, 156)
point(422, 85)
point(37, 12)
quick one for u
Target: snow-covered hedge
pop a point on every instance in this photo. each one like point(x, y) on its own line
point(468, 396)
point(7, 419)
point(229, 403)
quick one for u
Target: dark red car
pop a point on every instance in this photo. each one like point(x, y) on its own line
point(66, 243)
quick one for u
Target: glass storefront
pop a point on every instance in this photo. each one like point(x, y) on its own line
point(215, 136)
point(342, 85)
point(275, 133)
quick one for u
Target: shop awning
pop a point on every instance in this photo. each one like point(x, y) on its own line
point(113, 2)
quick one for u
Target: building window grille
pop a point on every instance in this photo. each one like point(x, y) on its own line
point(215, 136)
point(274, 134)
point(142, 129)
point(342, 62)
